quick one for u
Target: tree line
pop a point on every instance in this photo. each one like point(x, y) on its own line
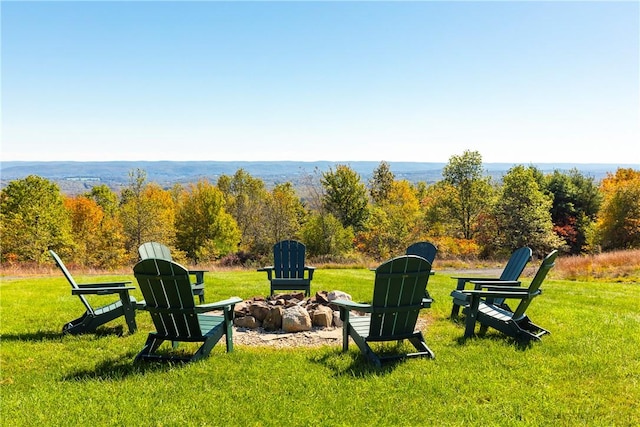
point(339, 217)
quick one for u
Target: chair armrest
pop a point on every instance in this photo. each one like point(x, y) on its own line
point(463, 280)
point(482, 284)
point(504, 288)
point(350, 305)
point(269, 270)
point(477, 279)
point(101, 290)
point(104, 284)
point(310, 269)
point(199, 274)
point(523, 293)
point(218, 305)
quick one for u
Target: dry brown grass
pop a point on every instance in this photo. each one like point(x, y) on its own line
point(622, 266)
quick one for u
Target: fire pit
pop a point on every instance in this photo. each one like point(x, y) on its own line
point(290, 312)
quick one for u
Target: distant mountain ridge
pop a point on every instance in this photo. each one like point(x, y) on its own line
point(74, 177)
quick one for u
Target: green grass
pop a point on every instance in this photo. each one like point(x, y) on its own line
point(587, 372)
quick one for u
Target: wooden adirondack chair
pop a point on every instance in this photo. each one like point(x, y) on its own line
point(516, 323)
point(288, 270)
point(160, 251)
point(515, 266)
point(95, 317)
point(168, 295)
point(398, 296)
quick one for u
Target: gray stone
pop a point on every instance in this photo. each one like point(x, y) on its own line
point(273, 321)
point(259, 310)
point(296, 319)
point(249, 322)
point(322, 316)
point(334, 295)
point(337, 321)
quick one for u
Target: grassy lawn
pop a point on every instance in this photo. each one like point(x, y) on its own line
point(587, 372)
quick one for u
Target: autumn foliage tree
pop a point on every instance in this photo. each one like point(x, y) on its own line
point(576, 202)
point(284, 213)
point(619, 219)
point(147, 213)
point(246, 200)
point(393, 222)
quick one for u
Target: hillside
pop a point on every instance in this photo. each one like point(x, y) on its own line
point(78, 177)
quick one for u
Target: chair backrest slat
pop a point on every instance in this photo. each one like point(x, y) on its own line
point(426, 250)
point(516, 264)
point(547, 264)
point(165, 286)
point(154, 250)
point(289, 259)
point(399, 282)
point(70, 279)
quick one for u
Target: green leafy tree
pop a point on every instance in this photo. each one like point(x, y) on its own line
point(381, 182)
point(345, 197)
point(469, 190)
point(392, 224)
point(619, 220)
point(105, 198)
point(284, 213)
point(523, 215)
point(204, 229)
point(324, 235)
point(32, 220)
point(147, 213)
point(246, 200)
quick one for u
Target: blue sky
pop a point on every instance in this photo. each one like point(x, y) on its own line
point(520, 82)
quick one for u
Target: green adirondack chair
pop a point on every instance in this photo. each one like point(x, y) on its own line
point(512, 271)
point(160, 251)
point(516, 323)
point(288, 270)
point(168, 297)
point(398, 296)
point(95, 317)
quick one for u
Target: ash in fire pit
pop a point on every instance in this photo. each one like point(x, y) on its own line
point(290, 312)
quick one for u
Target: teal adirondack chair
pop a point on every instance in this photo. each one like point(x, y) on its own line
point(168, 297)
point(426, 250)
point(398, 296)
point(516, 323)
point(288, 270)
point(95, 317)
point(512, 271)
point(160, 251)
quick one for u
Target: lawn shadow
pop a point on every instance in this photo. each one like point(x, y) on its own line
point(353, 364)
point(117, 369)
point(33, 336)
point(49, 335)
point(520, 345)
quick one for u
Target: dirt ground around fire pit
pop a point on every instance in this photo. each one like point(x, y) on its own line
point(316, 337)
